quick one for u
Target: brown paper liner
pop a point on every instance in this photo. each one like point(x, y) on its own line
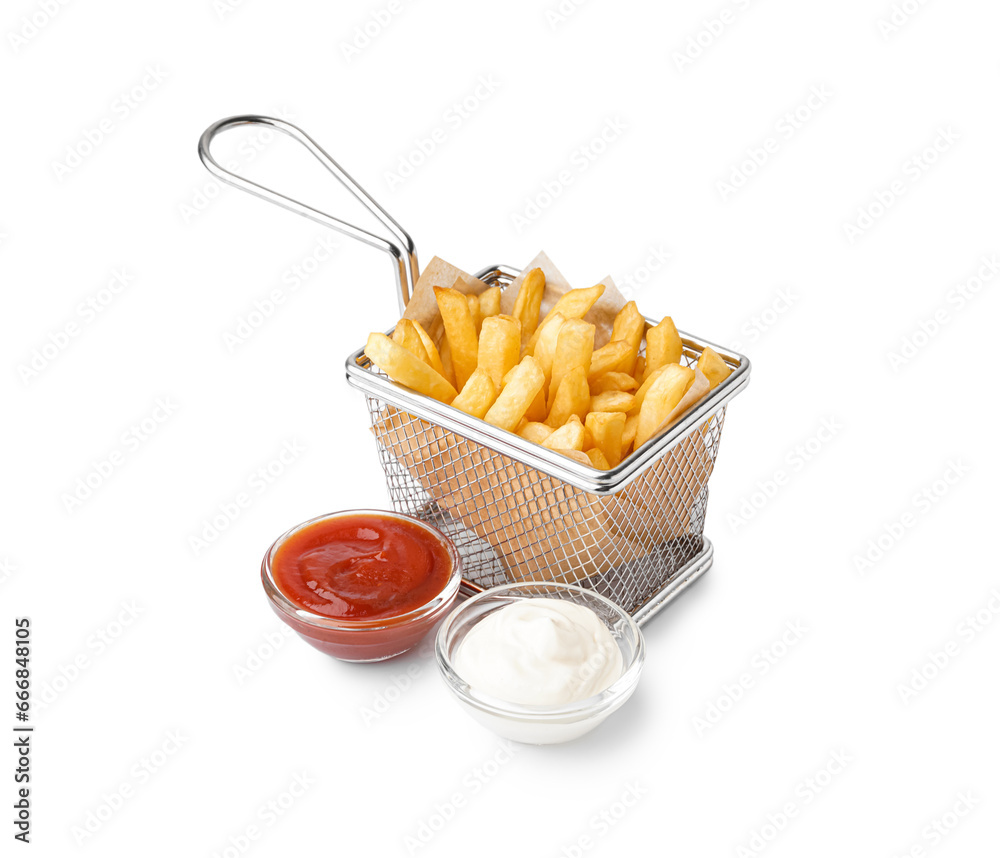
point(540, 527)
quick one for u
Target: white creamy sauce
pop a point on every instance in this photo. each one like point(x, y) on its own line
point(540, 652)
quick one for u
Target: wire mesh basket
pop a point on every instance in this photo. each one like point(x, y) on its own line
point(518, 511)
point(634, 534)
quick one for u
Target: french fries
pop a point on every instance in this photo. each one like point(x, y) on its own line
point(714, 367)
point(612, 357)
point(526, 380)
point(545, 346)
point(640, 394)
point(478, 395)
point(572, 398)
point(449, 368)
point(667, 389)
point(406, 335)
point(568, 437)
point(629, 326)
point(499, 346)
point(430, 350)
point(543, 378)
point(477, 319)
point(597, 459)
point(606, 429)
point(577, 456)
point(640, 368)
point(613, 381)
point(574, 349)
point(612, 400)
point(628, 434)
point(460, 328)
point(489, 302)
point(536, 432)
point(573, 305)
point(537, 411)
point(529, 302)
point(663, 345)
point(405, 367)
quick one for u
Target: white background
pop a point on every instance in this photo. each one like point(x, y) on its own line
point(768, 267)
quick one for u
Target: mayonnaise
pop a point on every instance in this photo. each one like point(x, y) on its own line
point(539, 652)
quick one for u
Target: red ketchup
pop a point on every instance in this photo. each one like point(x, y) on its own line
point(361, 567)
point(373, 584)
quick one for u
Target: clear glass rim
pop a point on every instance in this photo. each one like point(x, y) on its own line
point(346, 624)
point(604, 702)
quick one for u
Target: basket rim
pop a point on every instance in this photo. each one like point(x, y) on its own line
point(584, 477)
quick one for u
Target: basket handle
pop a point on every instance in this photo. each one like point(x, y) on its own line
point(406, 267)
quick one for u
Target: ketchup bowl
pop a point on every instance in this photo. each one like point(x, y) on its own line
point(362, 585)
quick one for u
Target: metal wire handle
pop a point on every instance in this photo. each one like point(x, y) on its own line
point(406, 267)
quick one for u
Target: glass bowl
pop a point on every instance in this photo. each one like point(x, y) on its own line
point(363, 640)
point(540, 725)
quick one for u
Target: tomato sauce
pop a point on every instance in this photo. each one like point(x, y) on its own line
point(361, 567)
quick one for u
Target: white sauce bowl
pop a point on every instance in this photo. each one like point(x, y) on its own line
point(540, 725)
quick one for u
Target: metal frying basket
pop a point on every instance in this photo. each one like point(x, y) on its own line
point(518, 511)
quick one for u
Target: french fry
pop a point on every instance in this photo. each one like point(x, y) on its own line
point(576, 456)
point(628, 434)
point(574, 304)
point(460, 329)
point(477, 318)
point(629, 326)
point(406, 335)
point(666, 391)
point(639, 371)
point(536, 432)
point(612, 400)
point(568, 437)
point(663, 345)
point(446, 361)
point(640, 394)
point(405, 367)
point(607, 430)
point(714, 367)
point(526, 380)
point(433, 356)
point(537, 412)
point(528, 303)
point(613, 381)
point(489, 302)
point(545, 348)
point(598, 459)
point(499, 346)
point(612, 357)
point(572, 398)
point(478, 394)
point(574, 348)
